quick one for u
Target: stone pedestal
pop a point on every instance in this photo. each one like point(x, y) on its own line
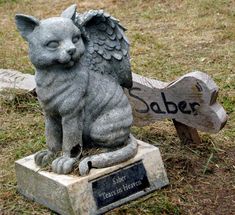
point(100, 191)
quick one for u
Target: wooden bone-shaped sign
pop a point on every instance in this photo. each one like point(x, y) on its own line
point(190, 100)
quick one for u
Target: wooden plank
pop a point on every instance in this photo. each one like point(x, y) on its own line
point(12, 79)
point(190, 100)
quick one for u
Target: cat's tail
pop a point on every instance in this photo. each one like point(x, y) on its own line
point(109, 158)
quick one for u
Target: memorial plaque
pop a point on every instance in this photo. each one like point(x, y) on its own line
point(120, 184)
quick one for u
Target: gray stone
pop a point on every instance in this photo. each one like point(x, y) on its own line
point(71, 194)
point(82, 64)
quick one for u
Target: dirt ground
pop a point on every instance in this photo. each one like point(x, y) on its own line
point(168, 39)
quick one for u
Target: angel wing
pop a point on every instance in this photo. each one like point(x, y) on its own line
point(107, 47)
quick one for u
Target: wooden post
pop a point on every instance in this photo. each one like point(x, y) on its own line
point(187, 135)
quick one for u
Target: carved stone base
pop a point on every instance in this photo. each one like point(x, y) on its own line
point(100, 191)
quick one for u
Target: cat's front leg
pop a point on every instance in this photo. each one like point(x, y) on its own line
point(53, 140)
point(72, 144)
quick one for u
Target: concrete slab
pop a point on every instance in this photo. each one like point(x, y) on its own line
point(100, 191)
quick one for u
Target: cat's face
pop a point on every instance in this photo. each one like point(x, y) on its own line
point(55, 41)
point(52, 42)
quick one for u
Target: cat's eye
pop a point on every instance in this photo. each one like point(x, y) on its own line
point(75, 39)
point(53, 44)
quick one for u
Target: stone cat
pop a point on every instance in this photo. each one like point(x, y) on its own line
point(84, 104)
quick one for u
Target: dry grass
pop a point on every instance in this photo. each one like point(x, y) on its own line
point(169, 38)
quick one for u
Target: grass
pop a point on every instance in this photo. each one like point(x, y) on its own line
point(169, 38)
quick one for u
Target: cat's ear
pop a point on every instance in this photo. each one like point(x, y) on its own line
point(70, 12)
point(26, 24)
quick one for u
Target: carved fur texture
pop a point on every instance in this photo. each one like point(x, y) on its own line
point(82, 63)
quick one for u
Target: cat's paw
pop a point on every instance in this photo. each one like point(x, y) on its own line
point(85, 166)
point(42, 158)
point(63, 165)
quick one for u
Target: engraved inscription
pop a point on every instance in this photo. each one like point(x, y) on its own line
point(120, 184)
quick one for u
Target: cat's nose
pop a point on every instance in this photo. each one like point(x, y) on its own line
point(71, 51)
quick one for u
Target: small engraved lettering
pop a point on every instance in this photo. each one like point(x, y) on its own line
point(119, 179)
point(120, 184)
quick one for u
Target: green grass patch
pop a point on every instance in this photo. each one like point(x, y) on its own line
point(228, 104)
point(8, 1)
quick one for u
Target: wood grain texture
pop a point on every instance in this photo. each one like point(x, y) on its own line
point(11, 79)
point(190, 100)
point(187, 135)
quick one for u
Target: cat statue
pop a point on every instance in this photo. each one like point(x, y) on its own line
point(82, 64)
